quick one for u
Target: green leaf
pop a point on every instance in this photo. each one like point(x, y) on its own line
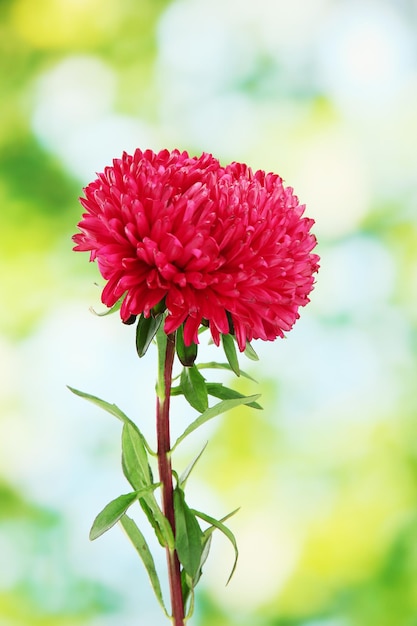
point(114, 410)
point(226, 531)
point(223, 366)
point(188, 535)
point(106, 406)
point(142, 548)
point(193, 386)
point(188, 583)
point(145, 331)
point(250, 352)
point(135, 462)
point(111, 514)
point(116, 307)
point(184, 476)
point(158, 521)
point(149, 508)
point(204, 555)
point(229, 348)
point(137, 470)
point(187, 589)
point(218, 390)
point(213, 411)
point(186, 354)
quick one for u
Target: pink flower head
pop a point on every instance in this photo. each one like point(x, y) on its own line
point(216, 245)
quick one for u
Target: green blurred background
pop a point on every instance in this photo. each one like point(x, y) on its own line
point(324, 92)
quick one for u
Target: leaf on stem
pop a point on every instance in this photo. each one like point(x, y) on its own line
point(187, 588)
point(204, 555)
point(158, 521)
point(193, 387)
point(111, 514)
point(188, 583)
point(106, 406)
point(229, 348)
point(145, 331)
point(135, 462)
point(226, 531)
point(114, 410)
point(218, 390)
point(149, 508)
point(217, 409)
point(142, 548)
point(138, 472)
point(188, 535)
point(184, 476)
point(223, 366)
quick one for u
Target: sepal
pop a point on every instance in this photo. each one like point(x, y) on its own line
point(116, 307)
point(186, 354)
point(250, 352)
point(145, 332)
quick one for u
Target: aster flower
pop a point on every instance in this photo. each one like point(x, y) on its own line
point(222, 246)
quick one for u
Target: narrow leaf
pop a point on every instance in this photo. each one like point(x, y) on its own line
point(226, 531)
point(114, 410)
point(218, 390)
point(186, 354)
point(135, 462)
point(193, 386)
point(111, 514)
point(229, 348)
point(145, 332)
point(187, 588)
point(158, 521)
point(188, 583)
point(223, 366)
point(152, 520)
point(188, 535)
point(213, 411)
point(184, 476)
point(204, 554)
point(250, 352)
point(142, 548)
point(113, 309)
point(207, 537)
point(106, 406)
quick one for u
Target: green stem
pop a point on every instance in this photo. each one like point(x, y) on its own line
point(166, 353)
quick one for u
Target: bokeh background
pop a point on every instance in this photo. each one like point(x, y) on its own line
point(324, 92)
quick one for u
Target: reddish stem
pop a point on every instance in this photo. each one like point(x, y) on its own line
point(165, 476)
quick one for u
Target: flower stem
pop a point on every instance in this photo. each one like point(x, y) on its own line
point(166, 353)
